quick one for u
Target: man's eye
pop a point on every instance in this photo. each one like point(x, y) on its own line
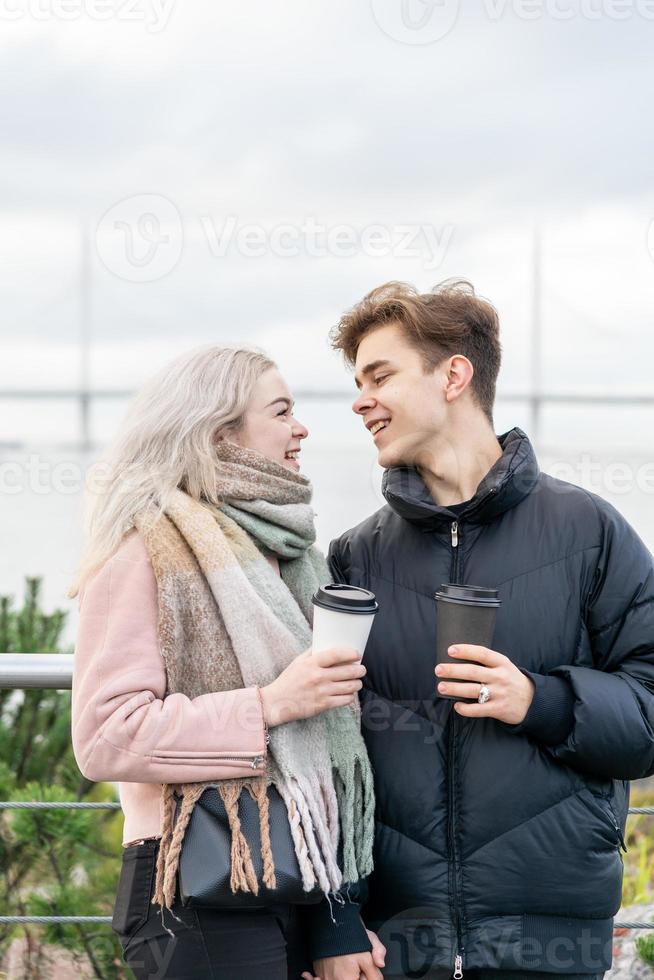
point(382, 377)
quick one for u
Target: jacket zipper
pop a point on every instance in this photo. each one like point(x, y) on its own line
point(458, 958)
point(454, 531)
point(617, 827)
point(253, 761)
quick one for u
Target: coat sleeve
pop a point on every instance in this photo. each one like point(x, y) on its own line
point(612, 732)
point(124, 726)
point(336, 563)
point(335, 927)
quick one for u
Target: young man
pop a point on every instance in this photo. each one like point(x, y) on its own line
point(499, 822)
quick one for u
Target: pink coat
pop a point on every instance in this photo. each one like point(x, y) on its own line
point(123, 728)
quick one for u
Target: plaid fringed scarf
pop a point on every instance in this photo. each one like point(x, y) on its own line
point(226, 621)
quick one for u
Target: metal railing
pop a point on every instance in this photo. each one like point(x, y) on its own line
point(55, 671)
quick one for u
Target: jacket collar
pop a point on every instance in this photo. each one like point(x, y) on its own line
point(511, 478)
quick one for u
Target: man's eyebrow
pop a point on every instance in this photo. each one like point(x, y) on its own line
point(287, 402)
point(369, 368)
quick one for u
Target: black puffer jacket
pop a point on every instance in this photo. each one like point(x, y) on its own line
point(499, 846)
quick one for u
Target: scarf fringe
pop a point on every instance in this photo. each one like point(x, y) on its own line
point(330, 803)
point(364, 854)
point(167, 822)
point(312, 833)
point(309, 879)
point(243, 877)
point(320, 815)
point(259, 793)
point(301, 810)
point(354, 790)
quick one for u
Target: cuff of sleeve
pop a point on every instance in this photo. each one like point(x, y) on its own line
point(266, 733)
point(551, 713)
point(346, 935)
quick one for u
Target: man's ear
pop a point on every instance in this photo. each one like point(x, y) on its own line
point(459, 375)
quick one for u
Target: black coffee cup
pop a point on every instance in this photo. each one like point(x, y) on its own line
point(464, 614)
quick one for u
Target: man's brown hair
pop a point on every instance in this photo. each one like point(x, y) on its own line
point(451, 319)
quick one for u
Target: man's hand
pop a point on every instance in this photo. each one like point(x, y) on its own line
point(511, 691)
point(353, 966)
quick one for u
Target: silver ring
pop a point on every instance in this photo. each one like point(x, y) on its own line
point(484, 694)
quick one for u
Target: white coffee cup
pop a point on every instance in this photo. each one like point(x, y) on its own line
point(342, 617)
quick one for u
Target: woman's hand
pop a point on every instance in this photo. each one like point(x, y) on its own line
point(345, 967)
point(353, 966)
point(313, 683)
point(511, 691)
point(378, 949)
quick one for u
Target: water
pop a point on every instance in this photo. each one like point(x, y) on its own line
point(41, 489)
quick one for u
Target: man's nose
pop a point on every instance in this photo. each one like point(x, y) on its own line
point(362, 404)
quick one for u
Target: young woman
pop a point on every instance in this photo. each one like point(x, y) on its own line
point(193, 668)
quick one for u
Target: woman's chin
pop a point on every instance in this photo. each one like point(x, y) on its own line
point(291, 464)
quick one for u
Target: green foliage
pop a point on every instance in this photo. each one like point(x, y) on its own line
point(638, 884)
point(645, 947)
point(52, 862)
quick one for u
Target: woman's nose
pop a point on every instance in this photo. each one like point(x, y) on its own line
point(300, 431)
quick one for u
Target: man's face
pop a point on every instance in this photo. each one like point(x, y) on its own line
point(395, 389)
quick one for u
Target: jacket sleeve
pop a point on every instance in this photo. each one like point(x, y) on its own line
point(612, 723)
point(336, 563)
point(124, 727)
point(335, 928)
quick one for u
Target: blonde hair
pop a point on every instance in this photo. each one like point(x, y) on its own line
point(166, 442)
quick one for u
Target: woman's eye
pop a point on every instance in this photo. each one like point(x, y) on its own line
point(283, 412)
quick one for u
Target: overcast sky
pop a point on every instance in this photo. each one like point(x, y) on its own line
point(247, 171)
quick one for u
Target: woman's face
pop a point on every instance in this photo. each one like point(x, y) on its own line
point(269, 427)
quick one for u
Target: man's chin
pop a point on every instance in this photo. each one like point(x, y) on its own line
point(392, 456)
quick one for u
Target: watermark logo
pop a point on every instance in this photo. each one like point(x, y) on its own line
point(426, 21)
point(416, 21)
point(316, 239)
point(564, 10)
point(154, 14)
point(140, 239)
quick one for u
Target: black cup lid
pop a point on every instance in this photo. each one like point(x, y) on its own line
point(346, 598)
point(475, 594)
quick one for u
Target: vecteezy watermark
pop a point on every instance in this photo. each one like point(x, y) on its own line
point(317, 239)
point(155, 14)
point(40, 475)
point(140, 238)
point(591, 10)
point(426, 21)
point(606, 476)
point(416, 21)
point(419, 940)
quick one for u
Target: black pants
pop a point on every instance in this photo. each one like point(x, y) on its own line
point(206, 944)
